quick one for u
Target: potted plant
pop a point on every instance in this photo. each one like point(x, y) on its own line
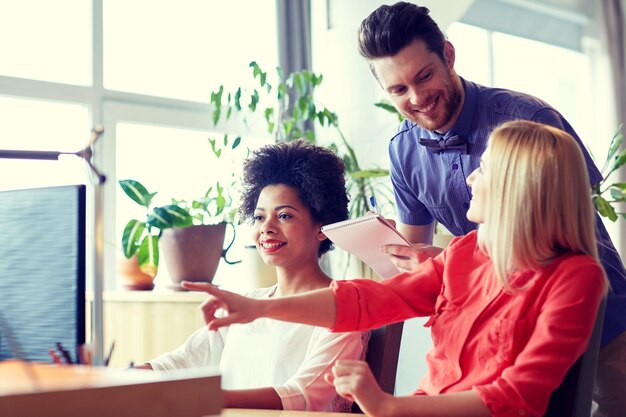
point(289, 111)
point(606, 194)
point(287, 108)
point(189, 233)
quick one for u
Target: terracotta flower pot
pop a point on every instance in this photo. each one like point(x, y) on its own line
point(132, 277)
point(193, 253)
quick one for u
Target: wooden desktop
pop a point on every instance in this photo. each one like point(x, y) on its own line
point(244, 412)
point(37, 389)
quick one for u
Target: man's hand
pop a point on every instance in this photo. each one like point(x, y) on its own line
point(408, 258)
point(240, 309)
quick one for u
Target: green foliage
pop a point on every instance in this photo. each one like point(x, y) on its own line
point(289, 111)
point(606, 204)
point(387, 106)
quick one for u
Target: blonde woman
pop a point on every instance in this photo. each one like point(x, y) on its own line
point(511, 306)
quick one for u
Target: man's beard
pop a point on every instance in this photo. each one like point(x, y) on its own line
point(451, 105)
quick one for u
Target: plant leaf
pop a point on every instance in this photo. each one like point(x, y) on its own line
point(370, 173)
point(131, 237)
point(216, 100)
point(216, 152)
point(616, 141)
point(237, 99)
point(619, 161)
point(148, 256)
point(178, 216)
point(254, 100)
point(137, 192)
point(604, 208)
point(617, 194)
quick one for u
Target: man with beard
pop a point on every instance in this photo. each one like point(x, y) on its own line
point(448, 120)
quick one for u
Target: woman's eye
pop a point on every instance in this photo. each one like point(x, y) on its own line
point(257, 218)
point(284, 216)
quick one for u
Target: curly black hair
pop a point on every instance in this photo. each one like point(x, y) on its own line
point(314, 171)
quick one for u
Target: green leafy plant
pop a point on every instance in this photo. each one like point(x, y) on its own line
point(141, 237)
point(288, 109)
point(607, 194)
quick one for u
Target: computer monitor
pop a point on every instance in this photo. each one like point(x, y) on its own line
point(42, 271)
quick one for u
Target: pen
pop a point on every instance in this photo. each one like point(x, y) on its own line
point(64, 353)
point(108, 358)
point(374, 205)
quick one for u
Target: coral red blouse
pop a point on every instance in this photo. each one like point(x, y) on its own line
point(513, 349)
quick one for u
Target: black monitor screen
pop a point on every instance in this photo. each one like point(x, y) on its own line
point(42, 271)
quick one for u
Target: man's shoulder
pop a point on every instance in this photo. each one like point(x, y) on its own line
point(510, 102)
point(405, 129)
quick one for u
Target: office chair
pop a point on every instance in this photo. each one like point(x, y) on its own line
point(573, 397)
point(382, 354)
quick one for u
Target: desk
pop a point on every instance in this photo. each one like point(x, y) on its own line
point(244, 412)
point(37, 389)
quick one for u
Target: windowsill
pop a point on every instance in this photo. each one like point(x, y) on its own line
point(153, 296)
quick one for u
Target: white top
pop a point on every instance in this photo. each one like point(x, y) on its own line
point(292, 358)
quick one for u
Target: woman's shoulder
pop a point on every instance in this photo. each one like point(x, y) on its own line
point(581, 268)
point(575, 261)
point(264, 292)
point(469, 240)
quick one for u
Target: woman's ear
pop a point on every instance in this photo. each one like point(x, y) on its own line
point(321, 236)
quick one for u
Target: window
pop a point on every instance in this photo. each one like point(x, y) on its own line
point(185, 49)
point(46, 40)
point(143, 69)
point(563, 79)
point(43, 126)
point(501, 60)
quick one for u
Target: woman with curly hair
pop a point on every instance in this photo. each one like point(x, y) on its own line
point(290, 191)
point(511, 306)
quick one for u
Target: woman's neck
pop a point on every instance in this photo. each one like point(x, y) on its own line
point(301, 279)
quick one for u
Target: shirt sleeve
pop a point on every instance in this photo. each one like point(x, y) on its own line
point(560, 336)
point(306, 389)
point(203, 348)
point(409, 208)
point(364, 304)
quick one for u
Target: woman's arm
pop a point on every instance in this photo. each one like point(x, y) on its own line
point(315, 308)
point(354, 380)
point(461, 404)
point(266, 398)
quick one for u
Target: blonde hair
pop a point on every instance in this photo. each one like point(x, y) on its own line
point(539, 201)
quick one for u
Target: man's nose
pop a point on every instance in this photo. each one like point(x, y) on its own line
point(414, 96)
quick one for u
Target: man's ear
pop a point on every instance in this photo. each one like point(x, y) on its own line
point(321, 236)
point(449, 54)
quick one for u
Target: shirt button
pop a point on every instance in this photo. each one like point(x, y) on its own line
point(465, 205)
point(455, 167)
